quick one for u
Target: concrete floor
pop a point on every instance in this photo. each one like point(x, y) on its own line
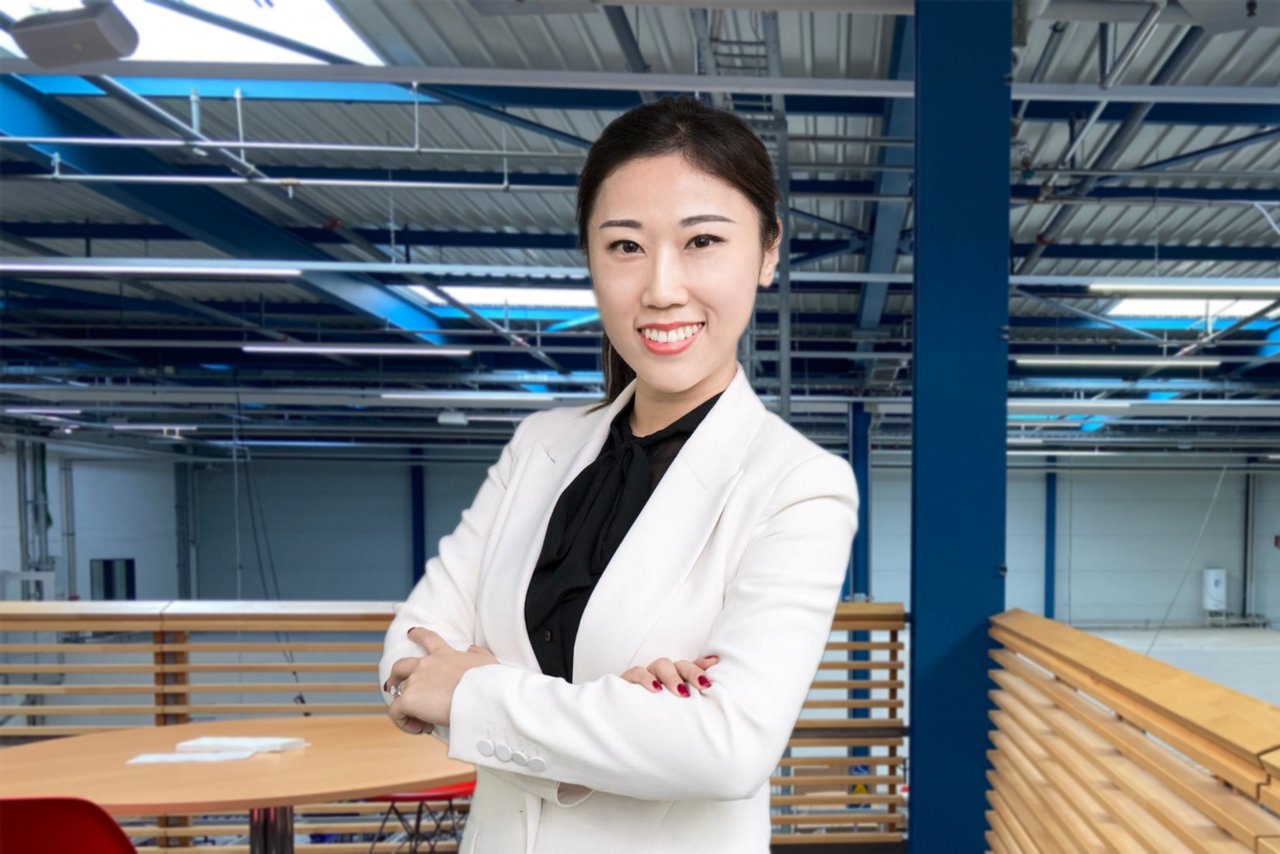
point(1246, 660)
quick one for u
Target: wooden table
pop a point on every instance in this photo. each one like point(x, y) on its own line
point(347, 757)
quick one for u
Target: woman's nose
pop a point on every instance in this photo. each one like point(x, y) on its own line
point(666, 283)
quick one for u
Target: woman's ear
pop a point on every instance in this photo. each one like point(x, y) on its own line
point(769, 263)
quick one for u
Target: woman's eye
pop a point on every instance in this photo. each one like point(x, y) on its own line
point(702, 241)
point(628, 247)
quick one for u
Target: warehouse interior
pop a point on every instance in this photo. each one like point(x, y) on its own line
point(275, 291)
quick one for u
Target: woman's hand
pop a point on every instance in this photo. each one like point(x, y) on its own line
point(675, 676)
point(423, 687)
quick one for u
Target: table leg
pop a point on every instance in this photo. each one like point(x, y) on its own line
point(271, 830)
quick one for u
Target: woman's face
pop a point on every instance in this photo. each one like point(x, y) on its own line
point(675, 261)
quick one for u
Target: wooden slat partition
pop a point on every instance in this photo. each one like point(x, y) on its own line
point(141, 663)
point(75, 667)
point(1099, 748)
point(840, 781)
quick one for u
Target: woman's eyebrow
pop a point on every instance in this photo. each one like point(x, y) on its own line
point(686, 222)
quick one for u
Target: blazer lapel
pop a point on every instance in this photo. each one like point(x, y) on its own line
point(664, 542)
point(549, 468)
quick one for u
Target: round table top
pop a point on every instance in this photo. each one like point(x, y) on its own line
point(346, 757)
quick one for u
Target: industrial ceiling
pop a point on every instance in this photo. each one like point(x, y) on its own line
point(180, 238)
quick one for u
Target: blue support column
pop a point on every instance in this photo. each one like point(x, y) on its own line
point(858, 584)
point(418, 513)
point(959, 409)
point(859, 578)
point(1050, 539)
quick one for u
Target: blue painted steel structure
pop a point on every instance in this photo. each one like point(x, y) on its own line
point(418, 519)
point(890, 216)
point(958, 424)
point(1191, 114)
point(859, 578)
point(196, 212)
point(858, 583)
point(806, 249)
point(1050, 539)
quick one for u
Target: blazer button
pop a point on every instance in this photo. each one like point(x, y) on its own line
point(546, 636)
point(503, 752)
point(519, 757)
point(537, 764)
point(485, 746)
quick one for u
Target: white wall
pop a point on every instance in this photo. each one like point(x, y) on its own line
point(334, 531)
point(1131, 547)
point(891, 538)
point(1266, 552)
point(124, 508)
point(1125, 541)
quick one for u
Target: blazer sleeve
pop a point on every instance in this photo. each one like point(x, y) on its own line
point(444, 600)
point(720, 745)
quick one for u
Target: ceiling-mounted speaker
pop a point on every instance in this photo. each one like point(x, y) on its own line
point(96, 33)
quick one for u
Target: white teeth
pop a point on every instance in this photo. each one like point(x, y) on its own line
point(663, 337)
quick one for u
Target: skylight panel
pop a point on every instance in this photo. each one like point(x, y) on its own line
point(491, 296)
point(1189, 308)
point(168, 36)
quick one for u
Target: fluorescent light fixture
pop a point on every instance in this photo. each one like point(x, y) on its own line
point(1052, 453)
point(162, 428)
point(1273, 456)
point(471, 396)
point(1115, 362)
point(452, 418)
point(147, 270)
point(1216, 292)
point(509, 419)
point(494, 296)
point(40, 410)
point(278, 443)
point(1025, 440)
point(1192, 309)
point(1069, 405)
point(358, 349)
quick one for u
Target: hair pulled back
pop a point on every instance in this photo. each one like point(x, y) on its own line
point(714, 141)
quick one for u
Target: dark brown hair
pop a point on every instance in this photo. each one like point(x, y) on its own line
point(714, 141)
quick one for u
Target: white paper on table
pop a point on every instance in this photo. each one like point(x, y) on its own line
point(220, 756)
point(217, 744)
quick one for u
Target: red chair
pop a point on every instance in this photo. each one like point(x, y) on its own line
point(41, 825)
point(418, 836)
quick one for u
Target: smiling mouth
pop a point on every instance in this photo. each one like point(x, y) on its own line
point(671, 336)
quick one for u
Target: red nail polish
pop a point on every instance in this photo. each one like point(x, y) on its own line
point(657, 686)
point(704, 682)
point(683, 689)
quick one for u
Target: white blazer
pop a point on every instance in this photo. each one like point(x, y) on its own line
point(740, 551)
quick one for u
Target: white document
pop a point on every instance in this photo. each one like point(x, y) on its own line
point(218, 744)
point(222, 756)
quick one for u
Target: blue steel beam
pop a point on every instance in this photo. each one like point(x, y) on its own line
point(501, 240)
point(890, 216)
point(198, 213)
point(1194, 115)
point(958, 489)
point(1204, 153)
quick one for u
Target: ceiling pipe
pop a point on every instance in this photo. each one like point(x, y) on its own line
point(1170, 71)
point(249, 173)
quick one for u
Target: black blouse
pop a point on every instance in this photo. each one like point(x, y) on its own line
point(588, 523)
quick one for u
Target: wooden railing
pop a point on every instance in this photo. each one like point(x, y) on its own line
point(68, 668)
point(1098, 748)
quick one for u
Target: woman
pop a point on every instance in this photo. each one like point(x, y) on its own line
point(724, 532)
